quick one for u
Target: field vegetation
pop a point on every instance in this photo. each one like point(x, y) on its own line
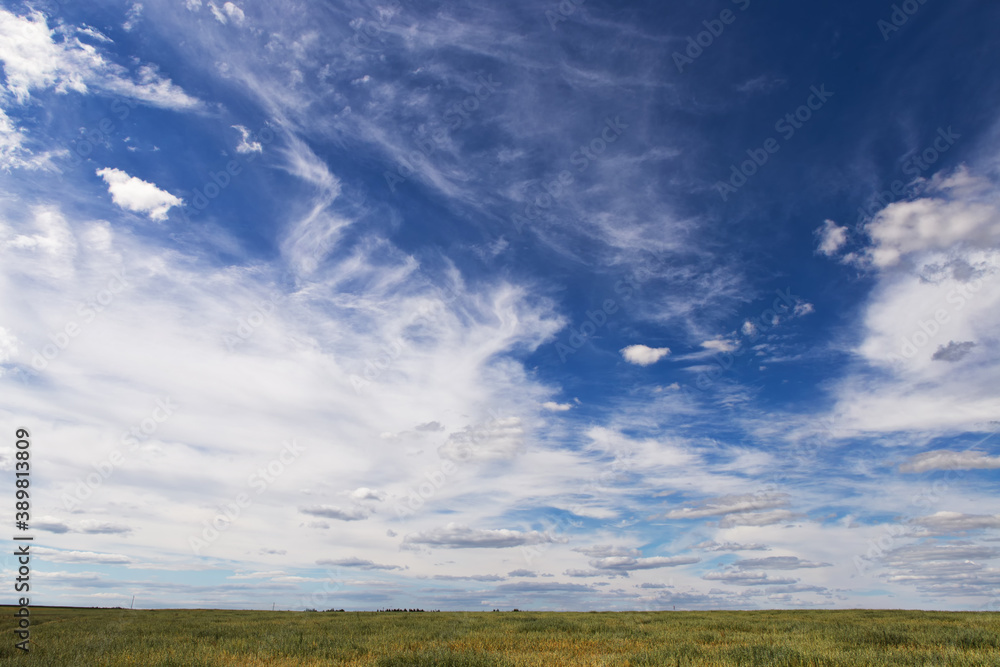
point(184, 638)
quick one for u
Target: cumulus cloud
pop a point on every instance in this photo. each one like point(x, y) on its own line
point(951, 523)
point(103, 527)
point(429, 427)
point(777, 563)
point(333, 512)
point(50, 525)
point(497, 439)
point(457, 536)
point(944, 459)
point(552, 406)
point(953, 351)
point(57, 556)
point(521, 573)
point(627, 564)
point(135, 194)
point(748, 578)
point(758, 518)
point(246, 146)
point(730, 505)
point(831, 238)
point(730, 546)
point(364, 493)
point(607, 550)
point(641, 355)
point(359, 563)
point(959, 213)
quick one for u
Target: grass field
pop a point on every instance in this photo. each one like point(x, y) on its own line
point(91, 637)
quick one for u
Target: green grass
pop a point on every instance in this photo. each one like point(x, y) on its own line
point(90, 637)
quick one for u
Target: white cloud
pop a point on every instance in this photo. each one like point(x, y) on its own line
point(364, 493)
point(332, 512)
point(960, 212)
point(244, 145)
point(831, 237)
point(457, 536)
point(719, 345)
point(495, 440)
point(627, 563)
point(642, 355)
point(228, 12)
point(943, 459)
point(950, 523)
point(135, 194)
point(33, 60)
point(758, 518)
point(58, 556)
point(14, 154)
point(740, 578)
point(133, 16)
point(8, 346)
point(552, 406)
point(929, 325)
point(734, 504)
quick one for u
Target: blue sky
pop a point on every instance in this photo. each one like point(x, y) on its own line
point(537, 305)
